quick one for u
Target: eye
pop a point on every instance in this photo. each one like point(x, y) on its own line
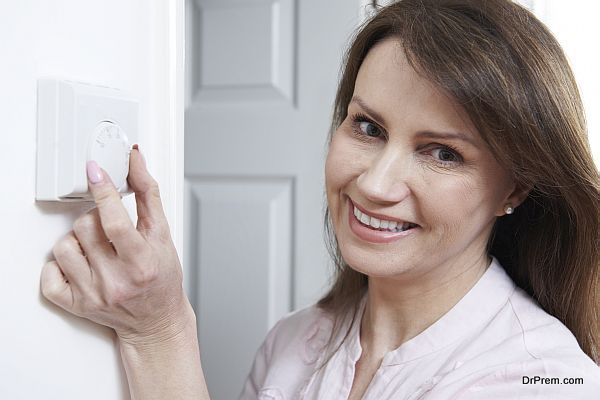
point(365, 129)
point(369, 129)
point(446, 155)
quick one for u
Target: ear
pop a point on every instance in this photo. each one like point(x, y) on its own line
point(515, 198)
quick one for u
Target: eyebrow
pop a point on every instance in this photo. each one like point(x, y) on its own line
point(448, 136)
point(428, 134)
point(374, 114)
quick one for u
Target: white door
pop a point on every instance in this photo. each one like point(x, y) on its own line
point(261, 81)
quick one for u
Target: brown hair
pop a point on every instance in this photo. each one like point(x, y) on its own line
point(512, 78)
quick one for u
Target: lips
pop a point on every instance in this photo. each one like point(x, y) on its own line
point(371, 235)
point(380, 217)
point(381, 224)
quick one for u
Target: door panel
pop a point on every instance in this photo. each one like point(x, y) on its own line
point(262, 76)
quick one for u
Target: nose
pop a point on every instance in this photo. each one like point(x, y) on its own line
point(385, 180)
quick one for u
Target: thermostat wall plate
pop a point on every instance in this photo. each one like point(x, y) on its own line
point(78, 122)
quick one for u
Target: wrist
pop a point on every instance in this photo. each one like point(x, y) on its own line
point(177, 325)
point(166, 363)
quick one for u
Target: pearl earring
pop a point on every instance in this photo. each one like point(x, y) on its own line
point(509, 209)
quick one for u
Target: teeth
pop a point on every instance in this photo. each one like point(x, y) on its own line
point(365, 219)
point(376, 223)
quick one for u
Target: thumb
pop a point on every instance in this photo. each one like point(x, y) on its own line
point(147, 194)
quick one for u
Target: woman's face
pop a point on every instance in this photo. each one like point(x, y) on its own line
point(409, 154)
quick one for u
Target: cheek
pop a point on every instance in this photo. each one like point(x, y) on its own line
point(468, 207)
point(342, 163)
point(451, 202)
point(493, 186)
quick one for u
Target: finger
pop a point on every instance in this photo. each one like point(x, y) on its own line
point(151, 216)
point(114, 219)
point(71, 260)
point(55, 287)
point(88, 231)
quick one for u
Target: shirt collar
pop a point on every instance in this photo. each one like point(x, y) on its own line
point(472, 311)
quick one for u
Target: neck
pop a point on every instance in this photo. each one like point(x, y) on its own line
point(401, 309)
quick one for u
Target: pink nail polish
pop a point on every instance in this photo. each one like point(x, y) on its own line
point(93, 172)
point(137, 147)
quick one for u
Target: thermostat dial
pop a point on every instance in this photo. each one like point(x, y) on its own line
point(110, 148)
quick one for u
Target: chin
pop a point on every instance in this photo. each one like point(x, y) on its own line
point(373, 266)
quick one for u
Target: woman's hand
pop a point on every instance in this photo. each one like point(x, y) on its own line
point(130, 279)
point(115, 274)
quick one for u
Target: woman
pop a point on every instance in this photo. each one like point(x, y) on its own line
point(464, 203)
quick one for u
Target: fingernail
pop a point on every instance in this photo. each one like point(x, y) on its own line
point(137, 147)
point(93, 172)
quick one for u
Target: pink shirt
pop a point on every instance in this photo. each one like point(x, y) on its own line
point(491, 345)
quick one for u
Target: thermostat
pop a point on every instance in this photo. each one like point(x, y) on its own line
point(78, 122)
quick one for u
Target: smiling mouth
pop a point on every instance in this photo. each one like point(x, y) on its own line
point(383, 225)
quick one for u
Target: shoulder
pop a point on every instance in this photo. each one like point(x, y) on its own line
point(287, 356)
point(518, 329)
point(545, 337)
point(300, 333)
point(533, 342)
point(523, 350)
point(539, 379)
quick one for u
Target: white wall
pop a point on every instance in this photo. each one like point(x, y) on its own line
point(133, 45)
point(575, 25)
